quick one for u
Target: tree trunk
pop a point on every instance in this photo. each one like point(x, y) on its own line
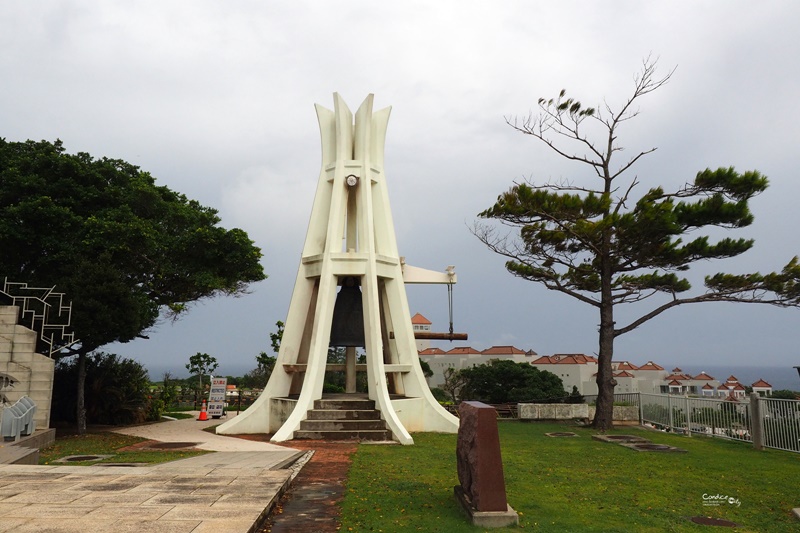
point(604, 412)
point(80, 415)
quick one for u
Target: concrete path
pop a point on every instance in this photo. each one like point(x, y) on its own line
point(224, 492)
point(191, 430)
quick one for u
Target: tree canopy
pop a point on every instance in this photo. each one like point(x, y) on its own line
point(503, 381)
point(124, 250)
point(603, 246)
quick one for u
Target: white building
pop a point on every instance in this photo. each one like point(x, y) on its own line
point(466, 356)
point(575, 369)
point(420, 323)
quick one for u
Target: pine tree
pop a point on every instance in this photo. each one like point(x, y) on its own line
point(603, 247)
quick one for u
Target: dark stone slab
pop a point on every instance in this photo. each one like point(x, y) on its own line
point(480, 467)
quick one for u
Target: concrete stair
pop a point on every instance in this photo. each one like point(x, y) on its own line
point(343, 419)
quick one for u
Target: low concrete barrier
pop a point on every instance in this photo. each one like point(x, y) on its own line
point(623, 414)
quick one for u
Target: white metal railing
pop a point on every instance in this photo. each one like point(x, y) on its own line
point(780, 423)
point(766, 422)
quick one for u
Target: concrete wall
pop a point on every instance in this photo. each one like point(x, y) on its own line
point(32, 372)
point(280, 409)
point(623, 414)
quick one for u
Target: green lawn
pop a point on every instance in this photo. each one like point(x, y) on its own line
point(577, 484)
point(106, 443)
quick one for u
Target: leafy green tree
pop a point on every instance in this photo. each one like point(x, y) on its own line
point(117, 390)
point(504, 381)
point(784, 394)
point(201, 364)
point(169, 391)
point(440, 395)
point(276, 338)
point(604, 247)
point(124, 250)
point(575, 396)
point(454, 382)
point(426, 368)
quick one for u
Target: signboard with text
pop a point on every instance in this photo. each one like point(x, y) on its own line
point(216, 397)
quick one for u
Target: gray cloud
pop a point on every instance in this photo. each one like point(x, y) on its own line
point(216, 101)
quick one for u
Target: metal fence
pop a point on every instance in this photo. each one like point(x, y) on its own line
point(621, 398)
point(765, 422)
point(707, 416)
point(780, 423)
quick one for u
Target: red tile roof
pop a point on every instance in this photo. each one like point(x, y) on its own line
point(703, 375)
point(675, 383)
point(677, 370)
point(503, 350)
point(565, 359)
point(625, 365)
point(463, 350)
point(650, 366)
point(762, 384)
point(578, 358)
point(707, 387)
point(674, 376)
point(624, 374)
point(432, 351)
point(419, 319)
point(732, 379)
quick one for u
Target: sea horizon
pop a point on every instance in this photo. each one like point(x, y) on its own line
point(780, 377)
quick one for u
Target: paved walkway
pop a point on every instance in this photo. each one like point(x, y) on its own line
point(226, 492)
point(191, 430)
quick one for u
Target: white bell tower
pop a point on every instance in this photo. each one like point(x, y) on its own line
point(350, 239)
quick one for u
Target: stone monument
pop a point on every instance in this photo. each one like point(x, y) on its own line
point(482, 487)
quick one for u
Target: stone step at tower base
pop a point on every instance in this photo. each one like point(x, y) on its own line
point(344, 419)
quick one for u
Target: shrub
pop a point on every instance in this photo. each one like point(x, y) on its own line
point(116, 390)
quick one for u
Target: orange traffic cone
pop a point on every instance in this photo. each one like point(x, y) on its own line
point(203, 414)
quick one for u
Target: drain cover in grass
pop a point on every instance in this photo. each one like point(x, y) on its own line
point(82, 458)
point(708, 521)
point(562, 434)
point(651, 447)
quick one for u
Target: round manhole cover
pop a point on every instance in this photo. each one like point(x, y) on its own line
point(708, 521)
point(654, 447)
point(562, 434)
point(172, 445)
point(79, 458)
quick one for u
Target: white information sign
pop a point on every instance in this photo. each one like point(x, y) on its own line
point(216, 397)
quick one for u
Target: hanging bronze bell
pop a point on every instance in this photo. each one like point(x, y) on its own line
point(347, 326)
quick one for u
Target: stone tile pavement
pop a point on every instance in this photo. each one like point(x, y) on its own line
point(223, 492)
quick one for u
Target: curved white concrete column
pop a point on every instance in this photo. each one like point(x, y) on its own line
point(350, 233)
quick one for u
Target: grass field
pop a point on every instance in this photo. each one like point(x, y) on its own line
point(577, 484)
point(106, 443)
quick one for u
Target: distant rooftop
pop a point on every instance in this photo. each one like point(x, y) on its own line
point(419, 319)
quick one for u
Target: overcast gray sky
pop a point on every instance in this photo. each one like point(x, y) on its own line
point(216, 100)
